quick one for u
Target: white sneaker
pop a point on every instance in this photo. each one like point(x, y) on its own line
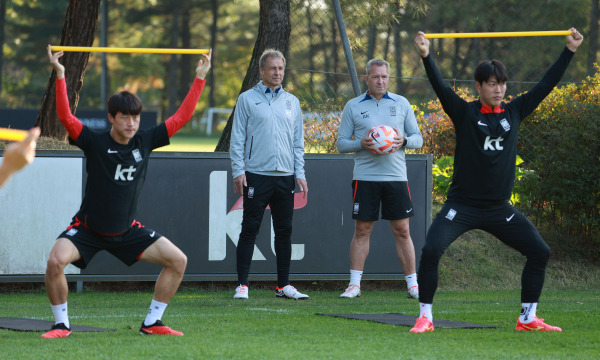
point(241, 292)
point(290, 292)
point(351, 291)
point(413, 292)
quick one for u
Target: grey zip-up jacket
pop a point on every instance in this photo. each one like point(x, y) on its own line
point(268, 134)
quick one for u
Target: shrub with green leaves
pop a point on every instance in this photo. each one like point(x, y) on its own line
point(564, 188)
point(437, 128)
point(442, 178)
point(321, 123)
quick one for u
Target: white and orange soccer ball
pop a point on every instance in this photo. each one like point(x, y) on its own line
point(383, 137)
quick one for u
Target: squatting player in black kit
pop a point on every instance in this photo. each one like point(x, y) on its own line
point(484, 170)
point(116, 167)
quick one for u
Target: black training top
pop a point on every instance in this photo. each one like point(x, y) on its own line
point(486, 138)
point(115, 177)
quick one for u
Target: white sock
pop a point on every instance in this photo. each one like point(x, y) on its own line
point(527, 312)
point(411, 280)
point(61, 314)
point(355, 276)
point(426, 311)
point(156, 312)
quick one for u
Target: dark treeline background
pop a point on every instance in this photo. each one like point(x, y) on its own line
point(317, 72)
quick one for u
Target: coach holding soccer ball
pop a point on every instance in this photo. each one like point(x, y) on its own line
point(379, 180)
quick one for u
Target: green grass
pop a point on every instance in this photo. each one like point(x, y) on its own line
point(264, 327)
point(184, 143)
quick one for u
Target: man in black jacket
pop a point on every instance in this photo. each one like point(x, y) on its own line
point(484, 170)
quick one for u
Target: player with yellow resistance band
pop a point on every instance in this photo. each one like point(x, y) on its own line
point(487, 130)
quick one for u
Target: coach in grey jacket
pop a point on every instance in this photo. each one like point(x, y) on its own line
point(267, 155)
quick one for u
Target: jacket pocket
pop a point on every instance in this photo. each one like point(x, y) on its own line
point(251, 143)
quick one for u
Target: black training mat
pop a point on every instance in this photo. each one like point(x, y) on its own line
point(406, 320)
point(24, 324)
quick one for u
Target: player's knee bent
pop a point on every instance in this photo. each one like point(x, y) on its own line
point(178, 263)
point(431, 254)
point(540, 254)
point(55, 265)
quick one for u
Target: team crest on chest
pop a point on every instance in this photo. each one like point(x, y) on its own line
point(288, 109)
point(136, 155)
point(505, 125)
point(392, 111)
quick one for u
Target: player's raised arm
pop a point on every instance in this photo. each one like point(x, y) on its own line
point(186, 110)
point(70, 122)
point(204, 65)
point(574, 39)
point(58, 67)
point(17, 155)
point(422, 44)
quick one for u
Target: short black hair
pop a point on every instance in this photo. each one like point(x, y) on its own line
point(488, 68)
point(124, 102)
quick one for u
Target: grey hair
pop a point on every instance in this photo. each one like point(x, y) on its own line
point(270, 53)
point(377, 62)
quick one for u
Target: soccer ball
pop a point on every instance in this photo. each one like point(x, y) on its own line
point(383, 136)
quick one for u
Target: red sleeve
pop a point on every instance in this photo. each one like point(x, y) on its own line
point(186, 110)
point(70, 122)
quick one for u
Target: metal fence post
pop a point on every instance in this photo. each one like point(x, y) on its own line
point(344, 36)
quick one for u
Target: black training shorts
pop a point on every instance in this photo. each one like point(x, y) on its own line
point(393, 197)
point(127, 247)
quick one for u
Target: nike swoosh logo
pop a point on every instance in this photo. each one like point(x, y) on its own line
point(152, 235)
point(258, 103)
point(363, 112)
point(407, 211)
point(112, 151)
point(533, 328)
point(510, 217)
point(480, 123)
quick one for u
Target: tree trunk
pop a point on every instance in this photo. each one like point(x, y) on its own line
point(273, 32)
point(593, 53)
point(79, 30)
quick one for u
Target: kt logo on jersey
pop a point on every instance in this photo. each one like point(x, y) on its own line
point(125, 174)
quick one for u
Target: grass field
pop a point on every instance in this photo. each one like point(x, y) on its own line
point(265, 327)
point(191, 144)
point(475, 274)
